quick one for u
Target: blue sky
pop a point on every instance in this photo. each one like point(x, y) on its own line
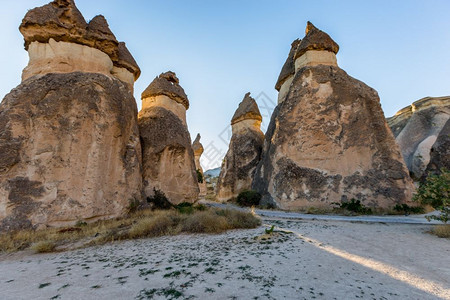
point(221, 50)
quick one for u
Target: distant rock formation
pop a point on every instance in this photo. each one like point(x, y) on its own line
point(69, 141)
point(328, 140)
point(422, 132)
point(59, 40)
point(244, 151)
point(197, 147)
point(168, 158)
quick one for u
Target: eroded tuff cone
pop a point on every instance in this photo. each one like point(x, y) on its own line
point(418, 128)
point(69, 151)
point(59, 40)
point(287, 73)
point(328, 141)
point(244, 151)
point(69, 141)
point(197, 147)
point(168, 158)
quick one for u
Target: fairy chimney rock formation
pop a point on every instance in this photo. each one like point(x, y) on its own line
point(69, 141)
point(244, 151)
point(197, 147)
point(59, 40)
point(421, 131)
point(287, 73)
point(328, 140)
point(168, 158)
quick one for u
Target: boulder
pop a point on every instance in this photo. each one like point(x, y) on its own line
point(69, 141)
point(197, 147)
point(328, 141)
point(417, 128)
point(244, 151)
point(168, 158)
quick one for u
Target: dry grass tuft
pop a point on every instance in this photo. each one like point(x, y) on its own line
point(442, 231)
point(44, 247)
point(145, 223)
point(205, 222)
point(161, 223)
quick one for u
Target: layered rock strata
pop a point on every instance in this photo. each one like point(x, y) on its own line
point(168, 158)
point(328, 140)
point(69, 141)
point(421, 132)
point(198, 149)
point(244, 151)
point(59, 40)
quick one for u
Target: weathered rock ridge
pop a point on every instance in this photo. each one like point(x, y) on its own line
point(168, 158)
point(328, 140)
point(421, 130)
point(69, 151)
point(198, 149)
point(244, 151)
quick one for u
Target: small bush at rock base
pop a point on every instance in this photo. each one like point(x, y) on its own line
point(405, 208)
point(248, 198)
point(355, 206)
point(159, 200)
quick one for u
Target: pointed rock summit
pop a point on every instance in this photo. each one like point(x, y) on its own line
point(69, 141)
point(421, 131)
point(168, 158)
point(328, 140)
point(244, 151)
point(316, 39)
point(197, 147)
point(247, 110)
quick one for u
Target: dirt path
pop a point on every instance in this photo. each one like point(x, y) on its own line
point(312, 259)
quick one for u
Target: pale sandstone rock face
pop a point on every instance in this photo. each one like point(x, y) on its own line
point(197, 147)
point(69, 150)
point(244, 151)
point(328, 141)
point(168, 158)
point(63, 57)
point(417, 129)
point(59, 40)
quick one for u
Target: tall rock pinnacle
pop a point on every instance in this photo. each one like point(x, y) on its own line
point(244, 151)
point(168, 158)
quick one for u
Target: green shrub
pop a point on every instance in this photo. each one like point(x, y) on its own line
point(356, 206)
point(199, 176)
point(435, 191)
point(159, 200)
point(248, 198)
point(185, 208)
point(405, 208)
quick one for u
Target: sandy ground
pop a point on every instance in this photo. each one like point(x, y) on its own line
point(312, 259)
